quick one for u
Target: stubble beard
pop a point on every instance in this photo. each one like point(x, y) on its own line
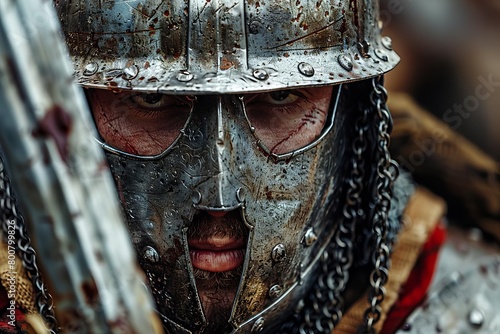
point(217, 290)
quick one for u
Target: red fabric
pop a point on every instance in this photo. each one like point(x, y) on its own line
point(5, 327)
point(415, 288)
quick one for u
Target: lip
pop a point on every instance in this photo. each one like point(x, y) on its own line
point(217, 254)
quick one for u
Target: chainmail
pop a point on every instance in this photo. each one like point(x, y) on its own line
point(9, 212)
point(368, 198)
point(386, 173)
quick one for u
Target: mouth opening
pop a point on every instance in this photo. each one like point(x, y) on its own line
point(217, 248)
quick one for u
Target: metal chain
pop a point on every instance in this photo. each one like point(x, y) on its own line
point(9, 212)
point(324, 306)
point(386, 173)
point(353, 213)
point(335, 269)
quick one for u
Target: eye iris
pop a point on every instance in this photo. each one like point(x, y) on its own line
point(279, 95)
point(151, 98)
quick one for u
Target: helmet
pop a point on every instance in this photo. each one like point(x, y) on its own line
point(202, 47)
point(250, 137)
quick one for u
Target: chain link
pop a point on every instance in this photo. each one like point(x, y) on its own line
point(386, 173)
point(9, 212)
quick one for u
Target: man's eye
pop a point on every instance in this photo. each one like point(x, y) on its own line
point(150, 101)
point(279, 97)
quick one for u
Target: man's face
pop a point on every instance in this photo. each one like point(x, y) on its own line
point(146, 125)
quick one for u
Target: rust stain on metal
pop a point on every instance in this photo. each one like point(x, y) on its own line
point(56, 124)
point(299, 14)
point(356, 11)
point(343, 26)
point(226, 64)
point(90, 292)
point(173, 254)
point(152, 29)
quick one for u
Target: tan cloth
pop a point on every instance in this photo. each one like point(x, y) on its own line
point(447, 163)
point(421, 215)
point(24, 294)
point(24, 289)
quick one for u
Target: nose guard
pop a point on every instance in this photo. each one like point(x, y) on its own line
point(220, 190)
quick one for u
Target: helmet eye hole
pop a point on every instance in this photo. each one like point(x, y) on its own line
point(287, 120)
point(141, 124)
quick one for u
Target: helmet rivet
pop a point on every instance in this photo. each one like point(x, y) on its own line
point(387, 42)
point(151, 255)
point(260, 74)
point(253, 28)
point(306, 69)
point(196, 197)
point(130, 72)
point(381, 55)
point(184, 76)
point(310, 237)
point(278, 253)
point(240, 194)
point(476, 318)
point(345, 62)
point(90, 69)
point(258, 325)
point(275, 291)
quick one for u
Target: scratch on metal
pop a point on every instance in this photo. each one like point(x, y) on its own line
point(156, 9)
point(307, 35)
point(310, 48)
point(137, 10)
point(201, 11)
point(109, 33)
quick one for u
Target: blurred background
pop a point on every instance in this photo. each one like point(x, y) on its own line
point(450, 69)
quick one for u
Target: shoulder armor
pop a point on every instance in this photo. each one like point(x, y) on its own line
point(465, 295)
